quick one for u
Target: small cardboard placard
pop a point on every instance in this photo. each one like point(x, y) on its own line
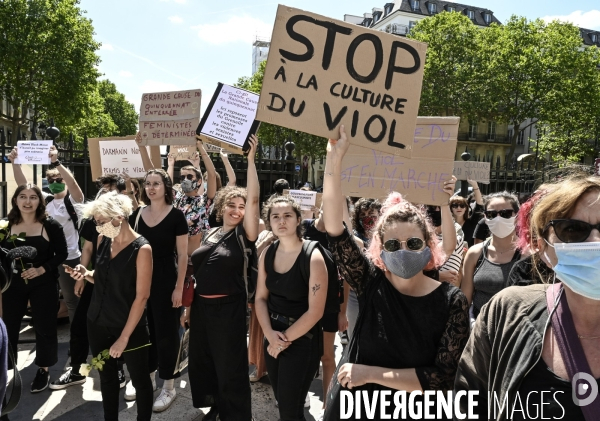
point(322, 73)
point(183, 152)
point(306, 199)
point(34, 152)
point(367, 172)
point(168, 118)
point(472, 170)
point(96, 158)
point(230, 118)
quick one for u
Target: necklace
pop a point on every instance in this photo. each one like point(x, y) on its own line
point(587, 337)
point(158, 217)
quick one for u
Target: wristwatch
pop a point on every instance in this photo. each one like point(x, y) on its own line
point(131, 192)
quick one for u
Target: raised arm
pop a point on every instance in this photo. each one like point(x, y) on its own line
point(252, 201)
point(211, 182)
point(476, 192)
point(332, 184)
point(171, 166)
point(17, 170)
point(148, 164)
point(142, 292)
point(74, 189)
point(231, 179)
point(448, 243)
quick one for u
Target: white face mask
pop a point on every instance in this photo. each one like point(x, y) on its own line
point(109, 230)
point(501, 227)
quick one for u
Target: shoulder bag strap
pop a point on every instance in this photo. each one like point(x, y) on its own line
point(570, 348)
point(137, 218)
point(209, 233)
point(246, 251)
point(307, 249)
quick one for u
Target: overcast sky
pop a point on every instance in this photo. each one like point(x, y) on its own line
point(165, 45)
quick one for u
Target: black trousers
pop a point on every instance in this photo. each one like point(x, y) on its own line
point(163, 321)
point(102, 338)
point(79, 344)
point(218, 356)
point(292, 372)
point(42, 293)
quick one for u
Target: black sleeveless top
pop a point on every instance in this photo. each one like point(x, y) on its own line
point(115, 284)
point(288, 292)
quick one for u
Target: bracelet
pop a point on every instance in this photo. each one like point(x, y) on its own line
point(476, 189)
point(54, 164)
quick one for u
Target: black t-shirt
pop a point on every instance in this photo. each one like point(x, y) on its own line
point(223, 272)
point(162, 237)
point(524, 272)
point(471, 224)
point(482, 231)
point(312, 233)
point(557, 402)
point(212, 218)
point(88, 233)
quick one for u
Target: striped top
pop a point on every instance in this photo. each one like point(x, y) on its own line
point(455, 259)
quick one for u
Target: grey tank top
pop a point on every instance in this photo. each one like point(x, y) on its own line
point(489, 278)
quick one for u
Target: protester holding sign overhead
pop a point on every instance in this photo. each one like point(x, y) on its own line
point(425, 321)
point(166, 228)
point(60, 206)
point(218, 353)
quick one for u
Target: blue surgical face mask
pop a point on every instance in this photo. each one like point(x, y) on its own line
point(406, 263)
point(578, 267)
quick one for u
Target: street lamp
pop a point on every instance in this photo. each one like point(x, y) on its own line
point(52, 131)
point(464, 186)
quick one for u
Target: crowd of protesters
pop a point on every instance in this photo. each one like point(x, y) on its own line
point(482, 293)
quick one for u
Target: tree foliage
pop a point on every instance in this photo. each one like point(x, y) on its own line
point(121, 111)
point(47, 61)
point(271, 135)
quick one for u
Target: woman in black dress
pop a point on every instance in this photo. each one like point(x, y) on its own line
point(218, 351)
point(411, 329)
point(289, 308)
point(166, 229)
point(117, 313)
point(35, 280)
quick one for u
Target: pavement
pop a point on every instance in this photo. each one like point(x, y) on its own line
point(84, 402)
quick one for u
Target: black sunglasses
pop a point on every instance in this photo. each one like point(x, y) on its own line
point(458, 205)
point(504, 213)
point(189, 177)
point(412, 244)
point(55, 180)
point(571, 230)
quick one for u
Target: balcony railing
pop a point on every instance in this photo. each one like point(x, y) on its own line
point(484, 138)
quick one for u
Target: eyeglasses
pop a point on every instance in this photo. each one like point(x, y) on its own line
point(55, 180)
point(155, 185)
point(412, 244)
point(571, 230)
point(98, 223)
point(458, 205)
point(504, 213)
point(189, 177)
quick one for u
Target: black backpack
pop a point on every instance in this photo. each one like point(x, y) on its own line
point(70, 209)
point(334, 296)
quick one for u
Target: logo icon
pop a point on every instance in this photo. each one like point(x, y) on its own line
point(585, 389)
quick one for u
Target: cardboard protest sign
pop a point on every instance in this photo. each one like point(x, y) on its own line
point(168, 118)
point(183, 152)
point(121, 156)
point(367, 172)
point(306, 199)
point(96, 157)
point(323, 72)
point(33, 152)
point(230, 117)
point(473, 170)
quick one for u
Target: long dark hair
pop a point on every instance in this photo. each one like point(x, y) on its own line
point(363, 205)
point(166, 181)
point(14, 216)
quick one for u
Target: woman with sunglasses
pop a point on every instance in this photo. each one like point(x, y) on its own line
point(34, 281)
point(411, 329)
point(166, 229)
point(466, 217)
point(487, 265)
point(516, 348)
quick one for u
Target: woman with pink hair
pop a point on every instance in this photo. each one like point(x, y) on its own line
point(411, 329)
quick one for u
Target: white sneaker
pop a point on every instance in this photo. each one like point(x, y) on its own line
point(164, 400)
point(130, 390)
point(307, 402)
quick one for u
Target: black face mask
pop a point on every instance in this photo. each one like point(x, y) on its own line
point(435, 216)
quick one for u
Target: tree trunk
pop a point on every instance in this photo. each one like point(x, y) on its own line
point(513, 142)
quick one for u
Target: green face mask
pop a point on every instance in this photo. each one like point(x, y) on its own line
point(56, 187)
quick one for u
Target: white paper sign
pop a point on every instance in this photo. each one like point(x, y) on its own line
point(33, 152)
point(306, 199)
point(121, 156)
point(230, 115)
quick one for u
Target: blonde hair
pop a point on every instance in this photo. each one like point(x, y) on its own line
point(109, 205)
point(53, 172)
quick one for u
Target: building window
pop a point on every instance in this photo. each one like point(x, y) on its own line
point(594, 38)
point(451, 8)
point(471, 14)
point(491, 131)
point(488, 18)
point(432, 8)
point(411, 25)
point(521, 138)
point(472, 130)
point(414, 4)
point(489, 156)
point(388, 8)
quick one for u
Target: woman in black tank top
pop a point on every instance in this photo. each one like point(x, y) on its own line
point(117, 312)
point(289, 308)
point(33, 280)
